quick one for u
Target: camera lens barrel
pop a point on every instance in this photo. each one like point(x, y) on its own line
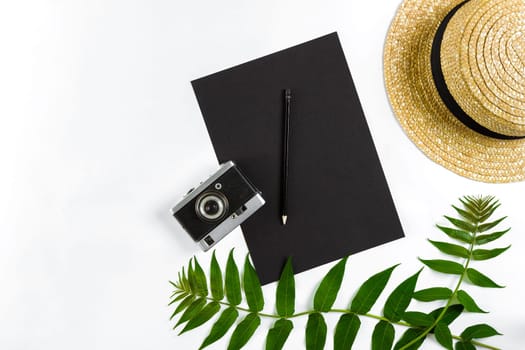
point(211, 206)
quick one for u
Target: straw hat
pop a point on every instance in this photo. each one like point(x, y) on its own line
point(455, 76)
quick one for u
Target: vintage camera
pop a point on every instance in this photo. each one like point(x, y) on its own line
point(218, 205)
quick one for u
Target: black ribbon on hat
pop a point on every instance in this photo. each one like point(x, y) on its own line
point(444, 92)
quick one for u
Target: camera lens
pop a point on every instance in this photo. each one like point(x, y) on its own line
point(211, 206)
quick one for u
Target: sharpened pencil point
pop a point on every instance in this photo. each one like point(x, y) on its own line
point(284, 218)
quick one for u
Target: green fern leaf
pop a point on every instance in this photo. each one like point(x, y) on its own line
point(399, 299)
point(192, 310)
point(452, 312)
point(484, 254)
point(285, 294)
point(346, 331)
point(465, 345)
point(221, 326)
point(478, 331)
point(469, 216)
point(383, 336)
point(466, 300)
point(244, 331)
point(470, 206)
point(451, 249)
point(232, 281)
point(490, 225)
point(368, 293)
point(278, 334)
point(484, 239)
point(418, 319)
point(201, 287)
point(480, 279)
point(432, 294)
point(315, 332)
point(488, 212)
point(183, 305)
point(202, 317)
point(252, 287)
point(456, 234)
point(216, 287)
point(327, 291)
point(407, 337)
point(462, 225)
point(443, 335)
point(444, 266)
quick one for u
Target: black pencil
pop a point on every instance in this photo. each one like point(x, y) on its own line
point(284, 175)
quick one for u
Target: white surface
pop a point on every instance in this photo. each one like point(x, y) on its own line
point(100, 134)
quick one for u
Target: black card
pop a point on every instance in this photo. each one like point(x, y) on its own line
point(338, 200)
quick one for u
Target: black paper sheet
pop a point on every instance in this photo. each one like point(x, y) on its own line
point(338, 199)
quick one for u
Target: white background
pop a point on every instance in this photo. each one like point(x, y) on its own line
point(100, 134)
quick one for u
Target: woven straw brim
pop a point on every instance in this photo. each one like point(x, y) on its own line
point(420, 110)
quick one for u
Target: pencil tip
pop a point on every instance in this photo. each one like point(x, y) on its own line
point(284, 218)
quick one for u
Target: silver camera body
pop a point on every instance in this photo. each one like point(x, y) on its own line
point(217, 205)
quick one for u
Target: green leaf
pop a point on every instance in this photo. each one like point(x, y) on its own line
point(346, 331)
point(444, 266)
point(480, 279)
point(179, 297)
point(233, 284)
point(488, 226)
point(398, 301)
point(217, 290)
point(202, 317)
point(467, 301)
point(191, 278)
point(315, 332)
point(194, 308)
point(252, 287)
point(488, 212)
point(451, 249)
point(470, 206)
point(244, 331)
point(443, 335)
point(418, 319)
point(407, 337)
point(453, 311)
point(278, 334)
point(460, 345)
point(466, 215)
point(484, 239)
point(221, 326)
point(285, 295)
point(383, 336)
point(485, 254)
point(431, 294)
point(456, 234)
point(462, 225)
point(370, 290)
point(184, 280)
point(184, 304)
point(478, 331)
point(327, 291)
point(486, 201)
point(201, 287)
